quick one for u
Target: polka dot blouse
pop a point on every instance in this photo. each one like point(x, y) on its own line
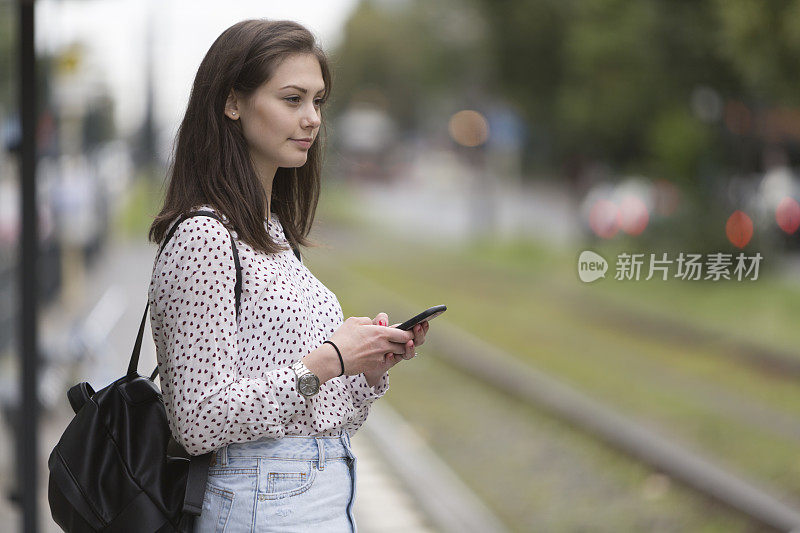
point(224, 382)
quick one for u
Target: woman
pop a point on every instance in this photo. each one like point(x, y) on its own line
point(247, 150)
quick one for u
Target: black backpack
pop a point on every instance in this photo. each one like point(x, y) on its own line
point(117, 467)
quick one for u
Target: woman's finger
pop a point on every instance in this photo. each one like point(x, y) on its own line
point(397, 335)
point(419, 335)
point(425, 327)
point(397, 348)
point(389, 361)
point(409, 350)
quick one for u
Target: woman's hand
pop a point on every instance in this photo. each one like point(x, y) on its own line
point(364, 345)
point(367, 346)
point(391, 359)
point(419, 330)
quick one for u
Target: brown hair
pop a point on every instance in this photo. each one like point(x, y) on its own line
point(211, 163)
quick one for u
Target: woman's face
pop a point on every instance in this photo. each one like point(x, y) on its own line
point(283, 111)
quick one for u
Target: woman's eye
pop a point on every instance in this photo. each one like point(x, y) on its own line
point(296, 100)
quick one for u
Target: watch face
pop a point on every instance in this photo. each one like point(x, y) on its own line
point(308, 385)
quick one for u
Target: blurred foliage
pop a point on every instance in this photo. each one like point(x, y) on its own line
point(9, 73)
point(603, 81)
point(98, 123)
point(409, 58)
point(8, 59)
point(676, 143)
point(761, 40)
point(52, 70)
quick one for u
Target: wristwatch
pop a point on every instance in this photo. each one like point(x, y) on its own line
point(307, 381)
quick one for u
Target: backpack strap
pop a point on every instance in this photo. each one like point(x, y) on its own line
point(196, 483)
point(133, 366)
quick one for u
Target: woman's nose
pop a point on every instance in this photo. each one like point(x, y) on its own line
point(311, 119)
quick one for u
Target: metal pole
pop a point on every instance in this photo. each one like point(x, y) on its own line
point(148, 138)
point(27, 434)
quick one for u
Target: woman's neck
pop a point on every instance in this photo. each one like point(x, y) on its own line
point(266, 174)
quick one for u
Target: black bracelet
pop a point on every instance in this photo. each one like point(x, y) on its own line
point(337, 353)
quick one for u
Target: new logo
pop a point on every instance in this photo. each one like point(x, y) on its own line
point(591, 266)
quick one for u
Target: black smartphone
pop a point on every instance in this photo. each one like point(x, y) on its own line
point(428, 314)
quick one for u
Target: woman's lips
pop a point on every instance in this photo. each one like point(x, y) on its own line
point(303, 144)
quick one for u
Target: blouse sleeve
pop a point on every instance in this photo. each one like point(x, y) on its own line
point(362, 396)
point(208, 405)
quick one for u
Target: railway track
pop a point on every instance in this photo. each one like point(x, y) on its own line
point(774, 362)
point(509, 375)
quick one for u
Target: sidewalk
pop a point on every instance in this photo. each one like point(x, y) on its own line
point(123, 272)
point(383, 505)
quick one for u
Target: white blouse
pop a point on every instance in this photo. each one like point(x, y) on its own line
point(222, 383)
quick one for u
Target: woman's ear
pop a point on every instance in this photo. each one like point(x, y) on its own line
point(232, 106)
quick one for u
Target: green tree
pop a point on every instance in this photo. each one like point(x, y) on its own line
point(412, 56)
point(762, 42)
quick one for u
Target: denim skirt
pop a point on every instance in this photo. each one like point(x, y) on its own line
point(292, 484)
